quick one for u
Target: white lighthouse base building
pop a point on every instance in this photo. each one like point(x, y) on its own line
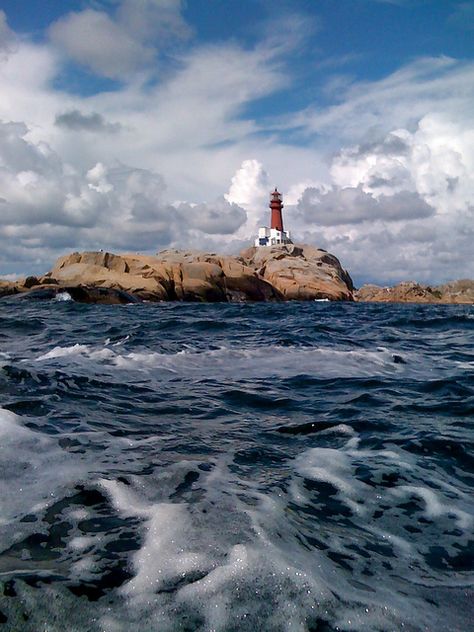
point(272, 237)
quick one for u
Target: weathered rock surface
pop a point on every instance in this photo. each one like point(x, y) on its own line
point(171, 275)
point(456, 292)
point(290, 272)
point(7, 288)
point(301, 272)
point(266, 274)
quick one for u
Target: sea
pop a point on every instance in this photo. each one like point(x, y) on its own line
point(236, 467)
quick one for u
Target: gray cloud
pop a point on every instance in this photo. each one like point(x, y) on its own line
point(48, 207)
point(428, 254)
point(93, 39)
point(351, 205)
point(94, 122)
point(221, 217)
point(115, 46)
point(391, 145)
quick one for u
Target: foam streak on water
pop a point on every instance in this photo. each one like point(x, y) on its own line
point(236, 467)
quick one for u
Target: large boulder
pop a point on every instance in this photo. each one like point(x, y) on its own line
point(199, 276)
point(7, 288)
point(102, 259)
point(91, 274)
point(170, 275)
point(301, 272)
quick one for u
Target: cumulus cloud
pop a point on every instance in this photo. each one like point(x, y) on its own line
point(37, 188)
point(401, 206)
point(351, 205)
point(250, 189)
point(115, 46)
point(94, 122)
point(434, 160)
point(249, 184)
point(47, 205)
point(219, 218)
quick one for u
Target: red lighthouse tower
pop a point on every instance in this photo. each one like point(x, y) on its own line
point(276, 206)
point(275, 235)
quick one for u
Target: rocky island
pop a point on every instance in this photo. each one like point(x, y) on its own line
point(274, 273)
point(456, 292)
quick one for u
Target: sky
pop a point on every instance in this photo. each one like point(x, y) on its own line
point(139, 125)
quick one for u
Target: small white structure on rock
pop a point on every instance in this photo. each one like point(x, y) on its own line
point(275, 235)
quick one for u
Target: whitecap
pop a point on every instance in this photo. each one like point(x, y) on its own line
point(243, 362)
point(63, 296)
point(35, 473)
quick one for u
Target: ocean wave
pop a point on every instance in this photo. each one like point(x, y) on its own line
point(303, 467)
point(282, 361)
point(35, 473)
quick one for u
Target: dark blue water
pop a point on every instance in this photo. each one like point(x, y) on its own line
point(236, 467)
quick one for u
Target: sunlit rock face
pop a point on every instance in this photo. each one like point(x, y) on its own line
point(259, 274)
point(301, 272)
point(279, 273)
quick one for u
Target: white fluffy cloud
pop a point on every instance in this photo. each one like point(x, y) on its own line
point(406, 198)
point(401, 187)
point(249, 188)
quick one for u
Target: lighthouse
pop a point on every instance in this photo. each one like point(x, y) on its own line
point(275, 235)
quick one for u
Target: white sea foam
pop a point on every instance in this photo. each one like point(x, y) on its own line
point(222, 563)
point(76, 351)
point(329, 466)
point(81, 543)
point(63, 297)
point(338, 468)
point(35, 472)
point(4, 359)
point(218, 566)
point(434, 507)
point(324, 362)
point(255, 573)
